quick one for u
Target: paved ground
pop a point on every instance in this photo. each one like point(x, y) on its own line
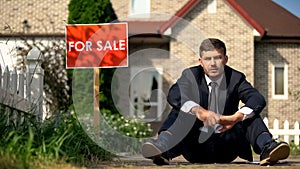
point(141, 163)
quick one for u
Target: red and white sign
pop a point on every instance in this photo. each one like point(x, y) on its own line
point(97, 45)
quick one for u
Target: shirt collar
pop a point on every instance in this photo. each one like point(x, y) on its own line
point(208, 80)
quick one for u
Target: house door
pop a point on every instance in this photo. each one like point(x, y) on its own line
point(146, 94)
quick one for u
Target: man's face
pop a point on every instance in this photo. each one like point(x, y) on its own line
point(213, 63)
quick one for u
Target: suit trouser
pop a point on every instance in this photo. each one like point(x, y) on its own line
point(222, 148)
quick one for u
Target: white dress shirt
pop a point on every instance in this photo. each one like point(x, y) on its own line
point(188, 105)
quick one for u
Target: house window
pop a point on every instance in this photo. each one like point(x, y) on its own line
point(146, 94)
point(140, 8)
point(212, 6)
point(280, 81)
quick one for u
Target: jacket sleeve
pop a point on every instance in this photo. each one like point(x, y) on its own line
point(185, 89)
point(250, 96)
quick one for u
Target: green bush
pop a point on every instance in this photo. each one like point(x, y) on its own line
point(295, 149)
point(59, 137)
point(129, 127)
point(79, 147)
point(90, 11)
point(123, 135)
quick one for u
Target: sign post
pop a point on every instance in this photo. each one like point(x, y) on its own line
point(96, 46)
point(96, 98)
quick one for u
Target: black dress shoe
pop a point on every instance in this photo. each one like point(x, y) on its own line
point(273, 152)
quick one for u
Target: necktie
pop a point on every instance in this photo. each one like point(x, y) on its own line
point(208, 131)
point(213, 98)
point(214, 103)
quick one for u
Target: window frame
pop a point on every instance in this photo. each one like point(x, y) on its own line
point(159, 103)
point(212, 6)
point(145, 14)
point(285, 81)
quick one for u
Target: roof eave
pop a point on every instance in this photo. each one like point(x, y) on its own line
point(32, 35)
point(247, 17)
point(283, 39)
point(178, 15)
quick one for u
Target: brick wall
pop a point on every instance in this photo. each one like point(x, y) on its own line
point(225, 24)
point(266, 55)
point(168, 7)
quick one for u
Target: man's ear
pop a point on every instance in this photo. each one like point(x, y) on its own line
point(200, 61)
point(225, 59)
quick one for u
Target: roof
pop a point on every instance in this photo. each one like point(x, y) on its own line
point(160, 27)
point(179, 14)
point(269, 19)
point(32, 18)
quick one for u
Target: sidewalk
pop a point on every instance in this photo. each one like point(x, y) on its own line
point(138, 162)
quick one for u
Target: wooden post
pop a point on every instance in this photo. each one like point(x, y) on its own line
point(35, 80)
point(96, 99)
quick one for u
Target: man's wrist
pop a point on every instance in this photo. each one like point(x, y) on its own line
point(187, 106)
point(195, 110)
point(239, 116)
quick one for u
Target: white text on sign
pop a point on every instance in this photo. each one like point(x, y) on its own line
point(100, 45)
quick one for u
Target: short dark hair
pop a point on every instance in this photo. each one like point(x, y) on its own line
point(212, 44)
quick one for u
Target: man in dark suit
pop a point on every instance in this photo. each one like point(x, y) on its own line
point(206, 124)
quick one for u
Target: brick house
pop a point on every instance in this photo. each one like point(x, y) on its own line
point(41, 20)
point(263, 41)
point(262, 38)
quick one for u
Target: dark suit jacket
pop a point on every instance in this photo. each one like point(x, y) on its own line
point(192, 86)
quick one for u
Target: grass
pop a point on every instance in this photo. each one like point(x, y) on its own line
point(54, 143)
point(57, 142)
point(295, 149)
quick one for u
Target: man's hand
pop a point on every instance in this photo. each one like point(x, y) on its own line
point(209, 118)
point(227, 122)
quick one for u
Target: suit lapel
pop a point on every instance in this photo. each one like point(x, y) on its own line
point(203, 88)
point(228, 74)
point(222, 95)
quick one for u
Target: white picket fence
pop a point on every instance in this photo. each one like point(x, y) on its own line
point(287, 133)
point(23, 91)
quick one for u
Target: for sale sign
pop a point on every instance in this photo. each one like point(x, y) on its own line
point(97, 45)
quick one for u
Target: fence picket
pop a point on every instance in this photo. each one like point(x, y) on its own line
point(286, 132)
point(6, 79)
point(13, 86)
point(297, 130)
point(28, 91)
point(21, 85)
point(14, 81)
point(276, 128)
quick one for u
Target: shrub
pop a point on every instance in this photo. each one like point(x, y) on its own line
point(59, 137)
point(295, 149)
